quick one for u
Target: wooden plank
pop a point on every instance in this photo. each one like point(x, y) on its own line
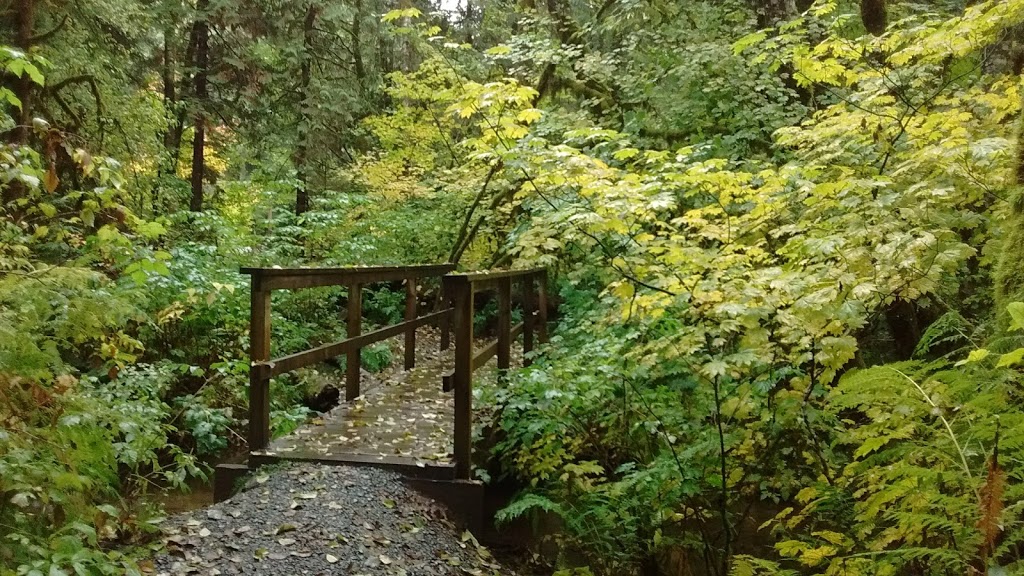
point(404, 465)
point(259, 380)
point(225, 477)
point(504, 324)
point(529, 317)
point(294, 278)
point(410, 315)
point(496, 274)
point(485, 354)
point(355, 326)
point(516, 331)
point(299, 359)
point(462, 292)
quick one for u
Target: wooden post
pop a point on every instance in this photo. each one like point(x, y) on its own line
point(259, 351)
point(355, 325)
point(410, 314)
point(542, 307)
point(462, 294)
point(504, 325)
point(445, 323)
point(529, 317)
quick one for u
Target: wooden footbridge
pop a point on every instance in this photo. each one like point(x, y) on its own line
point(431, 408)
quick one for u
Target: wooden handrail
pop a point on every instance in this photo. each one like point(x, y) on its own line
point(262, 368)
point(454, 313)
point(459, 290)
point(298, 360)
point(294, 278)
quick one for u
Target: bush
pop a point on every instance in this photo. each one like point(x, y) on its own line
point(69, 450)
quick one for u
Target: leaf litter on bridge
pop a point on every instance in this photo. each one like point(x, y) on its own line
point(308, 519)
point(400, 413)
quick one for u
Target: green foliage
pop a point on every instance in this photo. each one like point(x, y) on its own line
point(67, 447)
point(920, 438)
point(740, 220)
point(377, 357)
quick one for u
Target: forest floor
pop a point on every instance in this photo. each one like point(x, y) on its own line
point(308, 519)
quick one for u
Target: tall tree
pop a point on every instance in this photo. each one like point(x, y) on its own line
point(305, 110)
point(201, 88)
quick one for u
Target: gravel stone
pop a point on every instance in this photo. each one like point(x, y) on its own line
point(308, 519)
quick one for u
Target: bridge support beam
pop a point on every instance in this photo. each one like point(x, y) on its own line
point(355, 326)
point(259, 352)
point(410, 315)
point(460, 290)
point(504, 326)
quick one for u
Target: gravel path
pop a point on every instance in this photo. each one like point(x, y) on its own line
point(308, 519)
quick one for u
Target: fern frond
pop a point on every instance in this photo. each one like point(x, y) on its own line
point(526, 503)
point(991, 504)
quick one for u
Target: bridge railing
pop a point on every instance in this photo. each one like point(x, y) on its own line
point(263, 368)
point(459, 290)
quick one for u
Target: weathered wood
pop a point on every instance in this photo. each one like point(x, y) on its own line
point(462, 293)
point(259, 379)
point(482, 356)
point(225, 477)
point(457, 299)
point(445, 324)
point(405, 465)
point(542, 306)
point(410, 315)
point(504, 325)
point(291, 362)
point(355, 326)
point(294, 278)
point(529, 317)
point(480, 278)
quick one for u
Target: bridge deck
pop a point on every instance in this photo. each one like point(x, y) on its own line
point(402, 420)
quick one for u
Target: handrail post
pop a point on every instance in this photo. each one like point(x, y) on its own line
point(445, 323)
point(529, 316)
point(542, 306)
point(461, 291)
point(259, 352)
point(410, 314)
point(504, 325)
point(355, 324)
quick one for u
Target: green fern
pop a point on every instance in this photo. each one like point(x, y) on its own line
point(528, 502)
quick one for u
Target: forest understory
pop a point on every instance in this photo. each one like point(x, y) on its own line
point(784, 239)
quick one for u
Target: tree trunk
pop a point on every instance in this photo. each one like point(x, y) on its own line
point(771, 12)
point(467, 22)
point(357, 52)
point(305, 108)
point(872, 14)
point(25, 21)
point(173, 131)
point(202, 56)
point(25, 14)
